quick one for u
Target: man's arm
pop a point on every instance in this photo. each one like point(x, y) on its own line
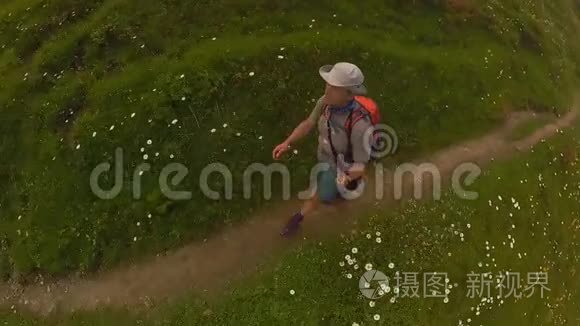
point(301, 131)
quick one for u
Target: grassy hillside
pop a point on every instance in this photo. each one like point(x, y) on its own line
point(80, 79)
point(526, 220)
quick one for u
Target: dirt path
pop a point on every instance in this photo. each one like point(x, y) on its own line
point(209, 267)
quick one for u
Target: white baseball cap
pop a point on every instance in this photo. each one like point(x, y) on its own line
point(344, 74)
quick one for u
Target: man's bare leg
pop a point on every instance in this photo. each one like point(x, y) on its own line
point(310, 205)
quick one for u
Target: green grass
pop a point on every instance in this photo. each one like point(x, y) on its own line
point(438, 78)
point(417, 238)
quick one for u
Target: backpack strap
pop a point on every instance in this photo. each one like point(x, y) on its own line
point(328, 115)
point(354, 116)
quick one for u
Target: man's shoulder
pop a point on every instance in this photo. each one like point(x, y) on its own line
point(317, 111)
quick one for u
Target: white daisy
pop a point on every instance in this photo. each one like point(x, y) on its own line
point(213, 130)
point(251, 73)
point(354, 250)
point(145, 157)
point(292, 292)
point(149, 142)
point(174, 121)
point(95, 134)
point(377, 317)
point(368, 266)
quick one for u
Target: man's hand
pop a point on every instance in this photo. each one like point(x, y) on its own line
point(280, 150)
point(302, 130)
point(343, 179)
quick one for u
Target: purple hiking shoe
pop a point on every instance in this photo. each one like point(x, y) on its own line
point(292, 226)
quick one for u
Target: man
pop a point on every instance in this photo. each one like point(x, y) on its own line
point(346, 156)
